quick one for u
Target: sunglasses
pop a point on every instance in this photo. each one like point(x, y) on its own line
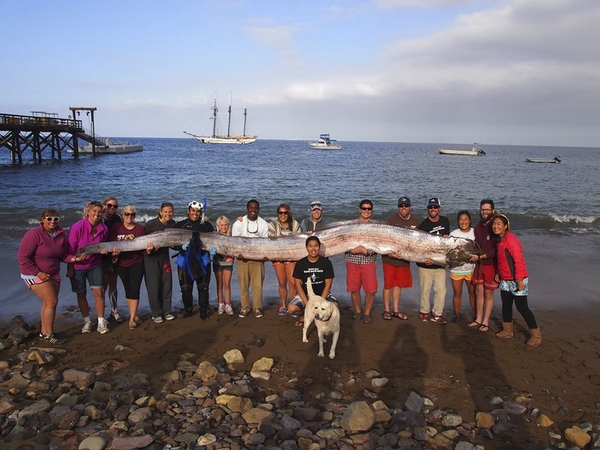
point(127, 214)
point(282, 212)
point(51, 219)
point(433, 207)
point(403, 206)
point(366, 208)
point(110, 205)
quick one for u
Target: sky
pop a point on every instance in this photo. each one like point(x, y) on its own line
point(515, 72)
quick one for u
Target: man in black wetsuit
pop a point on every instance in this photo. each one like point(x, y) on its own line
point(200, 272)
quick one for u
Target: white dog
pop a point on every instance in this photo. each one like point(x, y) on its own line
point(326, 316)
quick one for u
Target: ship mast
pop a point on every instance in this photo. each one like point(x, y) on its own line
point(229, 117)
point(214, 117)
point(245, 113)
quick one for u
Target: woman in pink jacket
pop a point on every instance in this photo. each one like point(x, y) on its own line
point(513, 278)
point(42, 250)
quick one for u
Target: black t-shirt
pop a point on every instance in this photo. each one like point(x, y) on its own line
point(441, 227)
point(318, 272)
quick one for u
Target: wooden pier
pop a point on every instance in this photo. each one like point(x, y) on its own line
point(43, 131)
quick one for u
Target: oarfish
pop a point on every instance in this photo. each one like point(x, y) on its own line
point(404, 243)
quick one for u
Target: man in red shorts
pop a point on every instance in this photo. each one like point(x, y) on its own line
point(361, 271)
point(485, 269)
point(396, 272)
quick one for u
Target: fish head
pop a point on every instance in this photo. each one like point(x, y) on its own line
point(461, 255)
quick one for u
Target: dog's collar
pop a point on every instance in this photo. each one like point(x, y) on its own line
point(321, 320)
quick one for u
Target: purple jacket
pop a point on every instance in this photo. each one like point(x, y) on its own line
point(80, 235)
point(40, 252)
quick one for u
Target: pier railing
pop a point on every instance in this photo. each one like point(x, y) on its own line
point(14, 121)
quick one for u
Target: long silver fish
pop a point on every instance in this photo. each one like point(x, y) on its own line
point(408, 244)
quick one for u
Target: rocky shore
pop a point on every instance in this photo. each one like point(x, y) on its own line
point(218, 404)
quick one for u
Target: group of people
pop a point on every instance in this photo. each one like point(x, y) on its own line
point(500, 264)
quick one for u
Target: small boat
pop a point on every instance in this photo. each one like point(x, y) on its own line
point(111, 148)
point(544, 160)
point(325, 143)
point(228, 138)
point(475, 151)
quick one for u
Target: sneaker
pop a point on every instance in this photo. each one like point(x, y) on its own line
point(221, 308)
point(87, 327)
point(52, 338)
point(169, 317)
point(438, 319)
point(102, 327)
point(115, 317)
point(187, 312)
point(424, 317)
point(228, 309)
point(258, 313)
point(243, 313)
point(158, 319)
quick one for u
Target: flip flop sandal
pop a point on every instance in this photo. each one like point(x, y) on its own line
point(399, 315)
point(387, 315)
point(368, 318)
point(474, 324)
point(357, 316)
point(300, 323)
point(484, 328)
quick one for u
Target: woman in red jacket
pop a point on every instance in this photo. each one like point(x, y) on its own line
point(513, 278)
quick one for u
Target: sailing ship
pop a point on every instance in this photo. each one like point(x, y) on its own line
point(228, 138)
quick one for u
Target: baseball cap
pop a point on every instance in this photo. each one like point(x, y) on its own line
point(196, 205)
point(316, 205)
point(433, 201)
point(404, 201)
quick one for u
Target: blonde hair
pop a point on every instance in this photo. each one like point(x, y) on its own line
point(129, 208)
point(224, 219)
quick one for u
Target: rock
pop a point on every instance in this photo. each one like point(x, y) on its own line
point(452, 420)
point(577, 436)
point(81, 379)
point(206, 371)
point(514, 408)
point(414, 402)
point(93, 443)
point(544, 421)
point(131, 443)
point(358, 417)
point(263, 365)
point(206, 439)
point(259, 375)
point(464, 446)
point(255, 415)
point(233, 357)
point(379, 382)
point(484, 420)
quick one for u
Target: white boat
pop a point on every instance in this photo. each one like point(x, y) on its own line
point(325, 143)
point(544, 160)
point(228, 138)
point(111, 148)
point(475, 151)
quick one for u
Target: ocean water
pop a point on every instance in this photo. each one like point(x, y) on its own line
point(554, 207)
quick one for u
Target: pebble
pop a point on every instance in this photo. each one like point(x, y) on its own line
point(218, 405)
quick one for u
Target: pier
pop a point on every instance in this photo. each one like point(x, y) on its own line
point(42, 132)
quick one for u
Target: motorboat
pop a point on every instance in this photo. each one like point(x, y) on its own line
point(228, 138)
point(544, 160)
point(325, 143)
point(475, 151)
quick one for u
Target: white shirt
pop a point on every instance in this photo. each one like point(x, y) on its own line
point(250, 228)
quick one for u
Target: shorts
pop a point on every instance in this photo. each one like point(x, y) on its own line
point(361, 275)
point(396, 276)
point(461, 276)
point(280, 263)
point(511, 286)
point(32, 282)
point(217, 268)
point(93, 276)
point(484, 275)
